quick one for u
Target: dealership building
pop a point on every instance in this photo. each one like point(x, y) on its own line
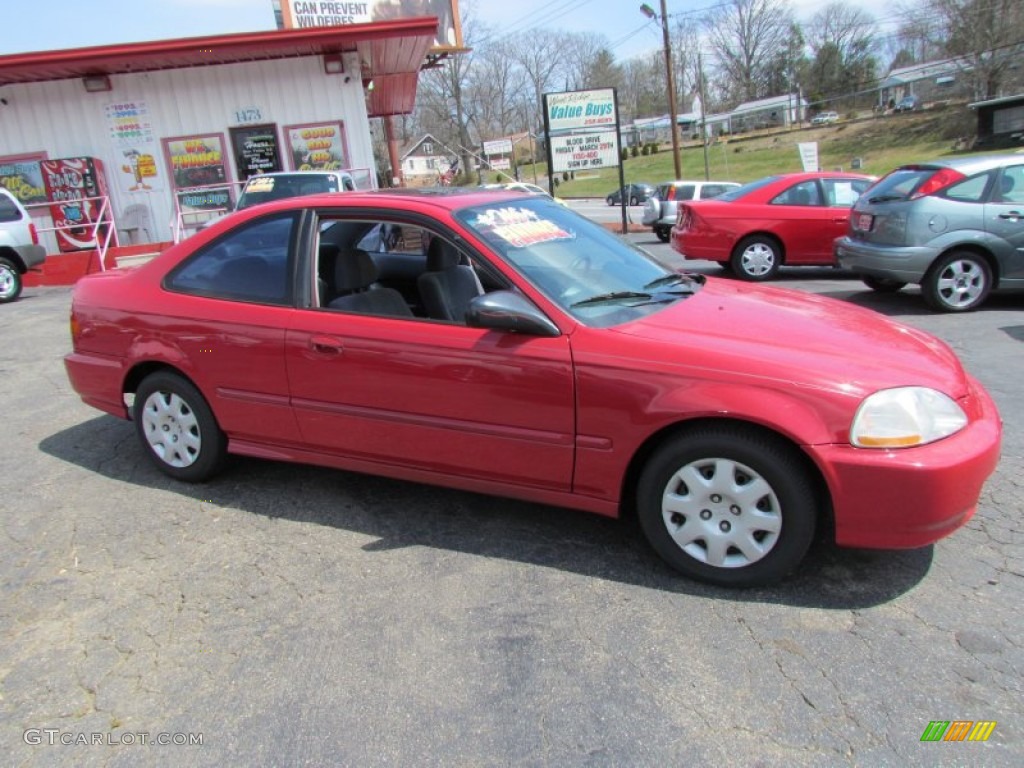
point(159, 135)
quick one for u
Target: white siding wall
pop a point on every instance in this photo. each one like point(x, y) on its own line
point(63, 120)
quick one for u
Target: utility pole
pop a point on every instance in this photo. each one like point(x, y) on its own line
point(649, 12)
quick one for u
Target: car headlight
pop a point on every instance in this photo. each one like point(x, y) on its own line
point(904, 417)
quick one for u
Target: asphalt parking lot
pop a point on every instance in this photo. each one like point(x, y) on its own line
point(289, 615)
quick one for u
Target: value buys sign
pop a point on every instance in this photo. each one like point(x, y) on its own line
point(578, 152)
point(580, 110)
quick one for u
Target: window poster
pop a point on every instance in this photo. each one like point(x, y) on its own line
point(22, 176)
point(256, 150)
point(134, 143)
point(199, 171)
point(317, 146)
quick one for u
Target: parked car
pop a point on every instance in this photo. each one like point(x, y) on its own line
point(791, 219)
point(20, 250)
point(634, 194)
point(504, 344)
point(266, 187)
point(661, 208)
point(953, 226)
point(825, 118)
point(909, 103)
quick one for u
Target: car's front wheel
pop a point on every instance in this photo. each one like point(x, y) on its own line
point(664, 233)
point(756, 258)
point(10, 281)
point(958, 282)
point(634, 201)
point(177, 428)
point(610, 200)
point(882, 284)
point(728, 506)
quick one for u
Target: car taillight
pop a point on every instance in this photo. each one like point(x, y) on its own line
point(33, 233)
point(938, 181)
point(76, 329)
point(671, 194)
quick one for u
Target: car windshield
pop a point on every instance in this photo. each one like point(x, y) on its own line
point(263, 189)
point(596, 277)
point(738, 192)
point(900, 184)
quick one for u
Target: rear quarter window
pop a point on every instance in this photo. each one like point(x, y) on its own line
point(970, 190)
point(9, 210)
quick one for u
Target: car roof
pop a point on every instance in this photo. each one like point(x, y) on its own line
point(445, 198)
point(970, 164)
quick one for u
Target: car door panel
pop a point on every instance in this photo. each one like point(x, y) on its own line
point(435, 396)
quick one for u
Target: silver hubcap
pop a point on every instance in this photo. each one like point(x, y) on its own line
point(721, 513)
point(7, 280)
point(961, 283)
point(171, 429)
point(758, 259)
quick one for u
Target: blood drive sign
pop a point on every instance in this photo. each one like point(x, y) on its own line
point(582, 128)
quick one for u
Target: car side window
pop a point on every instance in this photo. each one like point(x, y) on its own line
point(843, 193)
point(685, 192)
point(1011, 185)
point(712, 190)
point(805, 193)
point(8, 210)
point(971, 190)
point(249, 264)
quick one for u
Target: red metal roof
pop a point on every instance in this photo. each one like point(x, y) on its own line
point(391, 53)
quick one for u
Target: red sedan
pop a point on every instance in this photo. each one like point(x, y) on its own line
point(792, 219)
point(503, 344)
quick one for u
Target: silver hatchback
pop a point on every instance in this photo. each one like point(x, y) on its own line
point(956, 227)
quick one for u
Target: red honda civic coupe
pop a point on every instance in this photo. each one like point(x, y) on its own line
point(791, 219)
point(504, 344)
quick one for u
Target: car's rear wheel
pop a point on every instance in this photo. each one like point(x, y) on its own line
point(633, 201)
point(664, 233)
point(882, 284)
point(177, 428)
point(728, 506)
point(610, 200)
point(756, 258)
point(958, 282)
point(10, 281)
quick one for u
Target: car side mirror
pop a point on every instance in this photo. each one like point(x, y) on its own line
point(509, 311)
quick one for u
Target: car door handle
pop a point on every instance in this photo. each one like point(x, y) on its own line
point(841, 220)
point(1012, 215)
point(326, 345)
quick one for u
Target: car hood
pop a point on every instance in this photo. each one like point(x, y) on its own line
point(793, 338)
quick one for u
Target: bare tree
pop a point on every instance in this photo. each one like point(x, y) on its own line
point(746, 36)
point(842, 39)
point(579, 51)
point(986, 38)
point(538, 52)
point(497, 89)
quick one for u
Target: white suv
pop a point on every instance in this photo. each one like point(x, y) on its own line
point(660, 208)
point(20, 250)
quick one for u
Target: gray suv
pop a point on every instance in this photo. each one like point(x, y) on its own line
point(20, 250)
point(956, 227)
point(660, 209)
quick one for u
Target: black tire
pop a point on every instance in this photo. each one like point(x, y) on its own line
point(882, 284)
point(609, 200)
point(10, 281)
point(169, 404)
point(958, 282)
point(716, 458)
point(756, 258)
point(634, 201)
point(664, 233)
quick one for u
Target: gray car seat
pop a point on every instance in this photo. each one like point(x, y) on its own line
point(355, 275)
point(447, 286)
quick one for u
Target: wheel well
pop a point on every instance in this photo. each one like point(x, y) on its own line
point(142, 370)
point(766, 236)
point(977, 250)
point(12, 256)
point(654, 442)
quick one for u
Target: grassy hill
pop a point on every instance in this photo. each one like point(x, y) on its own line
point(881, 143)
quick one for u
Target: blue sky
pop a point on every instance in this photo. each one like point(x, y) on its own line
point(79, 23)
